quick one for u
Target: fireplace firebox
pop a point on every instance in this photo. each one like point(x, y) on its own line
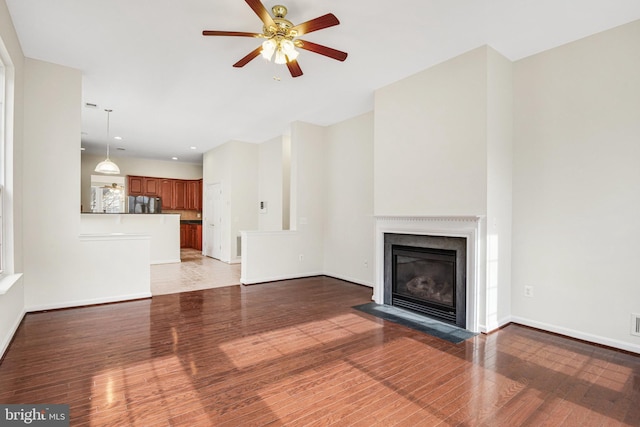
point(426, 274)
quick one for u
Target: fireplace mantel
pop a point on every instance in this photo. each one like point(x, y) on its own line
point(469, 227)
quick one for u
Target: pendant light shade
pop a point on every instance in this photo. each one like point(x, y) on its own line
point(107, 166)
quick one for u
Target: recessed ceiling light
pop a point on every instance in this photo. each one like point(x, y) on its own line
point(193, 148)
point(174, 158)
point(119, 138)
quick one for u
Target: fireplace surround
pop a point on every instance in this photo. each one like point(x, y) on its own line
point(468, 228)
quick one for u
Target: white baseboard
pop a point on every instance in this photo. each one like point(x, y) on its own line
point(277, 278)
point(350, 279)
point(81, 303)
point(486, 329)
point(165, 261)
point(634, 348)
point(7, 339)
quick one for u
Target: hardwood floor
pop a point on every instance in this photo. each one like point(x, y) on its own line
point(295, 353)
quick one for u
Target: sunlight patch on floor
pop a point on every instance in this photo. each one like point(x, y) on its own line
point(270, 345)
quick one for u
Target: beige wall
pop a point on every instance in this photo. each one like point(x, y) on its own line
point(348, 222)
point(430, 141)
point(577, 187)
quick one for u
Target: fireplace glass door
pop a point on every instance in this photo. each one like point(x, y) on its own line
point(424, 280)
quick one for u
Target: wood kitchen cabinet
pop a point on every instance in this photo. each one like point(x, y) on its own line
point(176, 194)
point(193, 195)
point(151, 186)
point(198, 242)
point(183, 236)
point(191, 236)
point(135, 185)
point(143, 186)
point(166, 193)
point(179, 194)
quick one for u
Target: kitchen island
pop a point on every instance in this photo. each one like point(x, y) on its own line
point(163, 230)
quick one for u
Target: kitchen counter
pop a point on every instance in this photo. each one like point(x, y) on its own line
point(191, 221)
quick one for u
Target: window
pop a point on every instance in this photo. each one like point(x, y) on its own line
point(2, 165)
point(107, 194)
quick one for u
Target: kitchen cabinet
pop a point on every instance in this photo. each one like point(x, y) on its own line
point(191, 236)
point(135, 185)
point(166, 193)
point(151, 186)
point(183, 236)
point(176, 194)
point(143, 186)
point(179, 194)
point(198, 242)
point(193, 195)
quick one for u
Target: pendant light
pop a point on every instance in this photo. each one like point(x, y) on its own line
point(107, 166)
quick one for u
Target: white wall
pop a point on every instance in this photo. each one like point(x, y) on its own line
point(234, 165)
point(577, 187)
point(430, 141)
point(162, 229)
point(348, 223)
point(280, 255)
point(134, 166)
point(12, 306)
point(270, 186)
point(244, 193)
point(60, 268)
point(497, 302)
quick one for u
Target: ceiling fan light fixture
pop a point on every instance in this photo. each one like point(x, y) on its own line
point(268, 48)
point(280, 57)
point(289, 50)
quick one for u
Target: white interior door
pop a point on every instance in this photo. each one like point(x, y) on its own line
point(213, 221)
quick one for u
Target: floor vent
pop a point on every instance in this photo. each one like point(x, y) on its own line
point(635, 324)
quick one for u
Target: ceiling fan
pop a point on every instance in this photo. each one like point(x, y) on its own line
point(281, 37)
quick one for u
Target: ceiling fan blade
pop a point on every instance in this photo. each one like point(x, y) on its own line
point(294, 68)
point(229, 33)
point(319, 23)
point(262, 12)
point(253, 54)
point(322, 50)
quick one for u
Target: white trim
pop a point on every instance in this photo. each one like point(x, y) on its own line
point(634, 348)
point(166, 261)
point(96, 301)
point(114, 236)
point(12, 332)
point(7, 281)
point(278, 278)
point(469, 227)
point(350, 279)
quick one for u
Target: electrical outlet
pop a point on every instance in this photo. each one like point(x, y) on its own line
point(528, 291)
point(366, 263)
point(301, 257)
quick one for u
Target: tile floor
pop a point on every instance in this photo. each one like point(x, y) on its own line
point(195, 272)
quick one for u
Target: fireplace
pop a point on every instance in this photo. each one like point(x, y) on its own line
point(427, 274)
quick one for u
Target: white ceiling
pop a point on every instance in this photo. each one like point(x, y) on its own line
point(170, 88)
